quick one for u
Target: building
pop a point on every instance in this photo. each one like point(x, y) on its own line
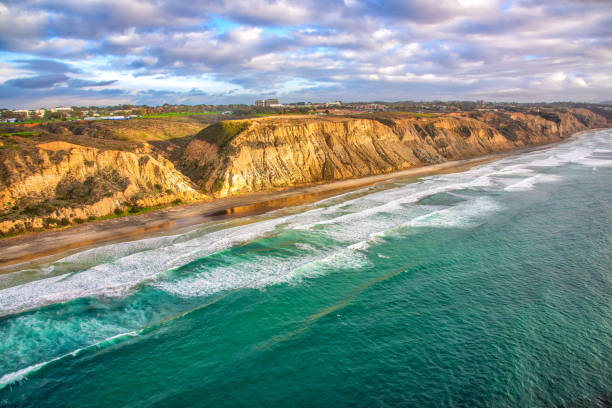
point(61, 109)
point(24, 111)
point(272, 102)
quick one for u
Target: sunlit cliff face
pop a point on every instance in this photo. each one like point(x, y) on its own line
point(46, 182)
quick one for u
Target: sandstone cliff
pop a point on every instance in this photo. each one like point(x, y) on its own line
point(281, 152)
point(69, 174)
point(58, 183)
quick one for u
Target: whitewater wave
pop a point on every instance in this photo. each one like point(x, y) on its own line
point(115, 270)
point(20, 375)
point(333, 234)
point(117, 278)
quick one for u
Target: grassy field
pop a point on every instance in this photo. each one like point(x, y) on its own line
point(22, 134)
point(175, 114)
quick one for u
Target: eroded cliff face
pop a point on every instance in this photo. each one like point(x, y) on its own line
point(283, 152)
point(62, 183)
point(68, 177)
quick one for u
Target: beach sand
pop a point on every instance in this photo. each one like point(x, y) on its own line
point(17, 252)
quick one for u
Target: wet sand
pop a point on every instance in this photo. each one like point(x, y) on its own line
point(17, 252)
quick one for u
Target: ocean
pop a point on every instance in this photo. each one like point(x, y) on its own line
point(490, 287)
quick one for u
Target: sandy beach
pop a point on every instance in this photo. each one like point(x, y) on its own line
point(46, 246)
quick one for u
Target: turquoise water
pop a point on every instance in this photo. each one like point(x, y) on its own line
point(491, 287)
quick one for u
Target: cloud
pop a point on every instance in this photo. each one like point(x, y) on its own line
point(44, 65)
point(39, 81)
point(83, 83)
point(351, 49)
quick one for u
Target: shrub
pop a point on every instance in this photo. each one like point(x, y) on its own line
point(551, 116)
point(463, 131)
point(217, 185)
point(228, 150)
point(64, 221)
point(79, 220)
point(38, 209)
point(158, 187)
point(118, 211)
point(221, 133)
point(91, 218)
point(430, 128)
point(385, 121)
point(177, 201)
point(509, 132)
point(327, 173)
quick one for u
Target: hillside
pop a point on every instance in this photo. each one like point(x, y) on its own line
point(59, 175)
point(280, 152)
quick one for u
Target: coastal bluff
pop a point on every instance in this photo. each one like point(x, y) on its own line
point(273, 153)
point(57, 176)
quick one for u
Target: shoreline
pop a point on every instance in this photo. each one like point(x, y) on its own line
point(46, 246)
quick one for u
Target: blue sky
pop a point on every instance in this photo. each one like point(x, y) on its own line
point(82, 52)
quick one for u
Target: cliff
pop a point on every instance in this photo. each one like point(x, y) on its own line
point(273, 153)
point(59, 183)
point(67, 175)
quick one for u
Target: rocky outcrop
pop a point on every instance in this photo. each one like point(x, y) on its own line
point(66, 178)
point(62, 183)
point(283, 152)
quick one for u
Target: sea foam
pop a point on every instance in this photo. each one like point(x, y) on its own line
point(114, 270)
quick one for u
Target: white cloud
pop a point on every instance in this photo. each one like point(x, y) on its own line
point(461, 48)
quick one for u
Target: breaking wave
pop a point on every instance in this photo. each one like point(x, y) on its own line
point(281, 247)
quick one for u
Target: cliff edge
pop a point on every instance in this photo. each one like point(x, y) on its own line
point(58, 176)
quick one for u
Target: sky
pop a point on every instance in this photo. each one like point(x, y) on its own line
point(106, 52)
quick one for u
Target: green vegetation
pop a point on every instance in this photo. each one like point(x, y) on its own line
point(414, 114)
point(423, 115)
point(463, 131)
point(8, 144)
point(509, 132)
point(385, 121)
point(327, 173)
point(280, 113)
point(38, 209)
point(173, 114)
point(7, 140)
point(551, 116)
point(221, 133)
point(22, 134)
point(386, 118)
point(217, 185)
